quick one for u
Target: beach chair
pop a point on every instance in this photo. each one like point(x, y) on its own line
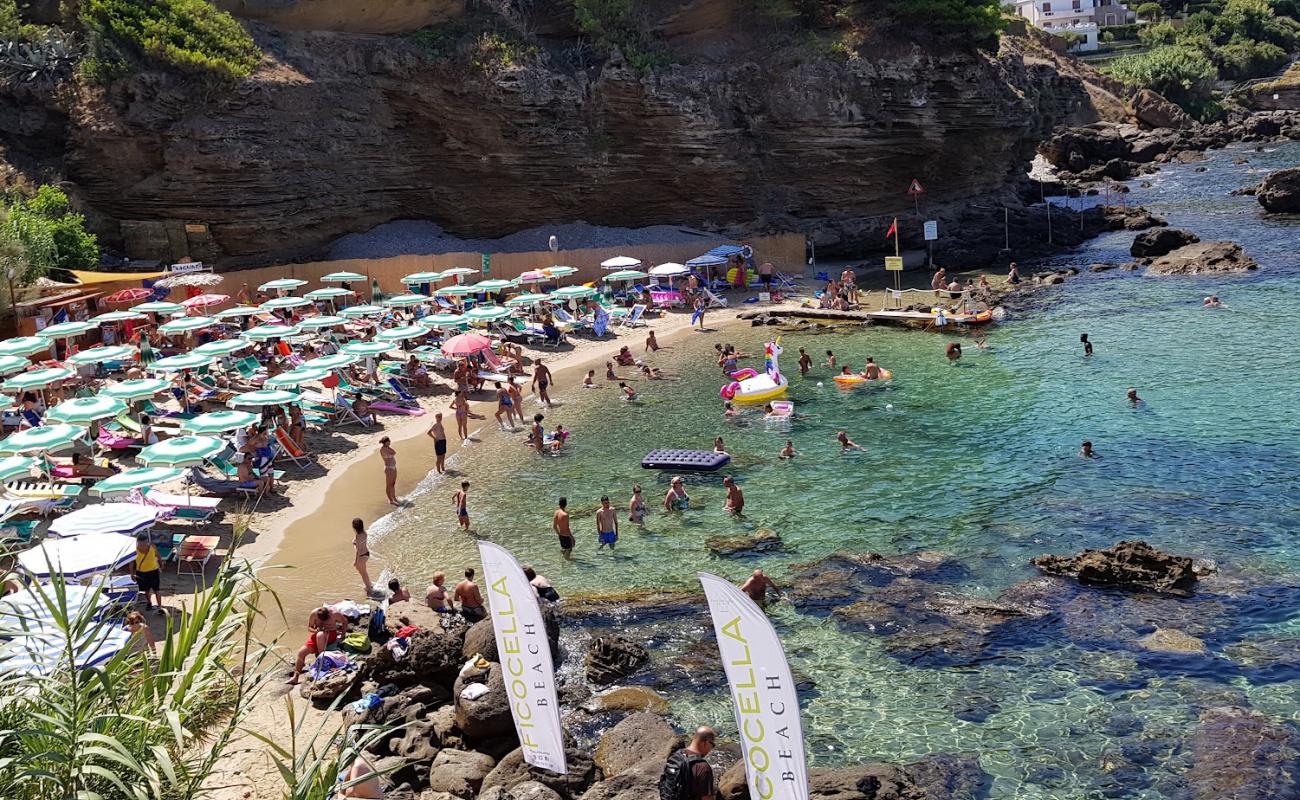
point(373, 392)
point(230, 470)
point(44, 497)
point(219, 487)
point(186, 507)
point(713, 300)
point(121, 591)
point(568, 319)
point(516, 330)
point(18, 530)
point(403, 396)
point(348, 415)
point(633, 319)
point(194, 553)
point(288, 448)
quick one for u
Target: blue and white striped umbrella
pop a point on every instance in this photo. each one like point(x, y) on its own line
point(46, 649)
point(29, 610)
point(77, 556)
point(125, 518)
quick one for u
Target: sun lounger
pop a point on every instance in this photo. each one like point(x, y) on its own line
point(404, 397)
point(182, 506)
point(288, 448)
point(633, 319)
point(220, 487)
point(18, 530)
point(231, 471)
point(349, 415)
point(43, 497)
point(374, 392)
point(714, 300)
point(194, 553)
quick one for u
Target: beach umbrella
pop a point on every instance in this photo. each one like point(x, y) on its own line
point(401, 334)
point(218, 422)
point(124, 518)
point(37, 379)
point(707, 260)
point(620, 262)
point(454, 291)
point(263, 332)
point(404, 300)
point(221, 347)
point(205, 300)
point(117, 316)
point(42, 439)
point(45, 648)
point(624, 275)
point(571, 293)
point(442, 320)
point(297, 377)
point(133, 295)
point(186, 325)
point(158, 307)
point(487, 313)
point(363, 311)
point(263, 397)
point(78, 556)
point(276, 303)
point(66, 330)
point(560, 272)
point(343, 277)
point(367, 349)
point(466, 344)
point(84, 410)
point(669, 269)
point(333, 361)
point(328, 293)
point(137, 478)
point(29, 609)
point(24, 346)
point(96, 355)
point(529, 299)
point(237, 311)
point(533, 276)
point(16, 467)
point(182, 362)
point(281, 285)
point(493, 285)
point(421, 277)
point(11, 364)
point(459, 272)
point(136, 389)
point(322, 321)
point(181, 451)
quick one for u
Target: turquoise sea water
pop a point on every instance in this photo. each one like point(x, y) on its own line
point(977, 460)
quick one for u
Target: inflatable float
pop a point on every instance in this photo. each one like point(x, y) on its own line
point(855, 379)
point(781, 409)
point(749, 386)
point(685, 460)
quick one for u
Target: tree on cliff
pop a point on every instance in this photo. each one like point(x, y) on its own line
point(41, 233)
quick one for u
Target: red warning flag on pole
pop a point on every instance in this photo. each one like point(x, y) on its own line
point(893, 229)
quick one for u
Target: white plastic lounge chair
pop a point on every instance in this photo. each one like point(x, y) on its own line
point(633, 319)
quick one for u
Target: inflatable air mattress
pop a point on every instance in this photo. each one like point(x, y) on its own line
point(685, 460)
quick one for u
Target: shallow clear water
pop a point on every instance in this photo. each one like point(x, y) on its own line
point(978, 460)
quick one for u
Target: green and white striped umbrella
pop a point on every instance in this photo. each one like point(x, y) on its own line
point(454, 271)
point(487, 313)
point(322, 321)
point(328, 293)
point(84, 410)
point(343, 277)
point(182, 362)
point(264, 332)
point(285, 302)
point(182, 451)
point(222, 347)
point(37, 379)
point(42, 439)
point(402, 334)
point(363, 311)
point(16, 467)
point(333, 361)
point(572, 293)
point(117, 316)
point(421, 277)
point(443, 320)
point(137, 389)
point(263, 397)
point(237, 311)
point(454, 291)
point(24, 346)
point(186, 325)
point(95, 355)
point(493, 285)
point(528, 299)
point(560, 272)
point(11, 364)
point(158, 307)
point(66, 330)
point(219, 422)
point(366, 348)
point(625, 275)
point(281, 284)
point(137, 478)
point(404, 300)
point(297, 377)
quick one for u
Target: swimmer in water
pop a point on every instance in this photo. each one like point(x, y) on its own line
point(953, 352)
point(1087, 345)
point(830, 359)
point(651, 373)
point(1133, 398)
point(677, 499)
point(787, 451)
point(1212, 302)
point(1086, 451)
point(718, 446)
point(805, 361)
point(847, 444)
point(636, 508)
point(728, 410)
point(981, 343)
point(735, 498)
point(871, 370)
point(589, 382)
point(628, 394)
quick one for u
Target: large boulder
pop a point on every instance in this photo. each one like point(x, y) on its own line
point(638, 738)
point(1152, 109)
point(1204, 258)
point(459, 772)
point(1279, 193)
point(330, 687)
point(762, 541)
point(611, 658)
point(1159, 241)
point(528, 790)
point(1127, 565)
point(1241, 754)
point(512, 770)
point(481, 640)
point(630, 698)
point(433, 658)
point(842, 578)
point(487, 716)
point(639, 783)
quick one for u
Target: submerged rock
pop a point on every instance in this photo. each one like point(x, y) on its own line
point(1241, 754)
point(1204, 258)
point(841, 578)
point(764, 540)
point(1170, 640)
point(1158, 242)
point(1279, 193)
point(610, 658)
point(1127, 565)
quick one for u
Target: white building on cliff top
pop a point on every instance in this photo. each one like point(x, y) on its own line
point(1084, 17)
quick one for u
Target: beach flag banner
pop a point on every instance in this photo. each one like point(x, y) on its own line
point(763, 694)
point(525, 659)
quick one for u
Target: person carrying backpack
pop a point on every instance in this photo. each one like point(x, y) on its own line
point(687, 776)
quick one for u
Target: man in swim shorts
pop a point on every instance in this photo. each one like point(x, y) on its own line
point(439, 436)
point(560, 524)
point(606, 524)
point(542, 382)
point(805, 361)
point(871, 370)
point(471, 600)
point(756, 587)
point(735, 498)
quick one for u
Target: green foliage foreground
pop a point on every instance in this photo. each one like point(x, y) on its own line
point(41, 233)
point(190, 35)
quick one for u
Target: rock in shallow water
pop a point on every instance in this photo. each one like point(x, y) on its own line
point(1127, 565)
point(763, 541)
point(1280, 192)
point(610, 658)
point(1170, 640)
point(841, 578)
point(1241, 754)
point(639, 738)
point(1159, 241)
point(1204, 258)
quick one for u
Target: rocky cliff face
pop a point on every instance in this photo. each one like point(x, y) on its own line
point(337, 132)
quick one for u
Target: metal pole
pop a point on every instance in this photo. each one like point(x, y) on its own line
point(1006, 227)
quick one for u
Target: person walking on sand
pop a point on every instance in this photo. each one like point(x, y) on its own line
point(735, 498)
point(700, 307)
point(542, 381)
point(146, 568)
point(439, 436)
point(389, 457)
point(756, 587)
point(461, 501)
point(606, 524)
point(471, 600)
point(361, 561)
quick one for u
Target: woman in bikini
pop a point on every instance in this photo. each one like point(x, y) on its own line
point(504, 404)
point(361, 544)
point(461, 406)
point(389, 456)
point(636, 510)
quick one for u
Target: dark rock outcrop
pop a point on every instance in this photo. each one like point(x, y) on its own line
point(1279, 193)
point(459, 772)
point(1203, 258)
point(1152, 109)
point(611, 658)
point(940, 776)
point(487, 716)
point(1127, 565)
point(1160, 241)
point(1242, 754)
point(763, 541)
point(433, 659)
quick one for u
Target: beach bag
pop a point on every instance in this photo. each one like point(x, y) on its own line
point(357, 642)
point(676, 781)
point(377, 630)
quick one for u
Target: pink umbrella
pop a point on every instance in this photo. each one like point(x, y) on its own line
point(466, 344)
point(205, 300)
point(134, 295)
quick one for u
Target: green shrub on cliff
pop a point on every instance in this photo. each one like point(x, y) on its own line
point(978, 19)
point(41, 233)
point(1182, 74)
point(190, 35)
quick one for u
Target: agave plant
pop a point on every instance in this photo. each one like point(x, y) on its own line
point(48, 60)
